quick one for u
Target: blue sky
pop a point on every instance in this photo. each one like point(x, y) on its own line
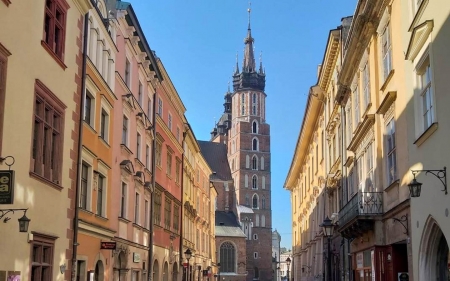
point(197, 41)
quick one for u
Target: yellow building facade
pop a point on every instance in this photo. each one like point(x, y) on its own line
point(40, 91)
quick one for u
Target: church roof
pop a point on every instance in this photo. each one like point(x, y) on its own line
point(244, 209)
point(216, 156)
point(227, 225)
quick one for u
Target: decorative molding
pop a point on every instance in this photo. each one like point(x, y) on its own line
point(387, 103)
point(361, 131)
point(418, 38)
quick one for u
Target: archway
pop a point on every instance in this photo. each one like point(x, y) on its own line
point(175, 271)
point(433, 253)
point(99, 272)
point(166, 272)
point(156, 275)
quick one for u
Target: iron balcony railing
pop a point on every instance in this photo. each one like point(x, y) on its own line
point(361, 204)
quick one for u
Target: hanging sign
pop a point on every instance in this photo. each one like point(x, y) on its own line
point(7, 187)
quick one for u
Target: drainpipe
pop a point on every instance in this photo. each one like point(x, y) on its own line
point(182, 195)
point(80, 147)
point(152, 199)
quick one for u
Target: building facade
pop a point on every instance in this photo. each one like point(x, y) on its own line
point(40, 93)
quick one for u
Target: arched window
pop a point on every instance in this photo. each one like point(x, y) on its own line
point(254, 182)
point(243, 98)
point(254, 127)
point(243, 110)
point(255, 201)
point(255, 144)
point(227, 257)
point(254, 97)
point(247, 200)
point(263, 203)
point(255, 163)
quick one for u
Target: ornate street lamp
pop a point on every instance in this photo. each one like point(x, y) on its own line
point(24, 222)
point(188, 255)
point(328, 230)
point(288, 263)
point(415, 187)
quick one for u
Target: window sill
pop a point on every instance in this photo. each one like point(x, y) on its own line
point(101, 217)
point(85, 210)
point(425, 135)
point(46, 181)
point(53, 55)
point(395, 183)
point(89, 127)
point(104, 141)
point(137, 226)
point(386, 82)
point(124, 220)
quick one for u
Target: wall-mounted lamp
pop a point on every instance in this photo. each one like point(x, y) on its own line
point(62, 268)
point(403, 220)
point(415, 187)
point(24, 222)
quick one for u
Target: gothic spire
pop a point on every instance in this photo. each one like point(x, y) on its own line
point(249, 58)
point(236, 70)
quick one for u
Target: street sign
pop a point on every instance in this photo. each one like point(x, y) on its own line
point(7, 187)
point(108, 245)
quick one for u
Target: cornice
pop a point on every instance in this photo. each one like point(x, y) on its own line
point(388, 99)
point(368, 121)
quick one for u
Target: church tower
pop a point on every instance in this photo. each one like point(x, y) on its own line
point(249, 158)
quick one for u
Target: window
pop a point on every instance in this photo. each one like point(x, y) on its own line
point(169, 121)
point(357, 114)
point(263, 203)
point(262, 163)
point(127, 72)
point(140, 94)
point(391, 152)
point(426, 94)
point(255, 255)
point(146, 213)
point(84, 186)
point(176, 218)
point(386, 51)
point(104, 125)
point(47, 135)
point(255, 163)
point(167, 213)
point(255, 201)
point(177, 170)
point(149, 108)
point(160, 107)
point(255, 236)
point(136, 208)
point(254, 127)
point(100, 195)
point(123, 201)
point(138, 146)
point(42, 248)
point(254, 182)
point(158, 153)
point(89, 107)
point(255, 144)
point(125, 131)
point(369, 169)
point(227, 257)
point(366, 84)
point(147, 156)
point(169, 163)
point(157, 216)
point(350, 184)
point(178, 133)
point(3, 64)
point(54, 26)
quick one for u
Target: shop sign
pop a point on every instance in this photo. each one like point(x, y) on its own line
point(136, 257)
point(108, 245)
point(359, 260)
point(7, 187)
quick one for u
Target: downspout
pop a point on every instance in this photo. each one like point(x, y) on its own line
point(152, 199)
point(182, 199)
point(344, 191)
point(80, 147)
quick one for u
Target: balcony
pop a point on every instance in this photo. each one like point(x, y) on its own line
point(359, 214)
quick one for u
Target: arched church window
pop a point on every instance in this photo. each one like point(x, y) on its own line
point(255, 163)
point(255, 144)
point(254, 182)
point(227, 257)
point(254, 127)
point(255, 201)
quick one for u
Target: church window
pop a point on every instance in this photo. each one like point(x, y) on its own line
point(243, 110)
point(263, 221)
point(254, 109)
point(247, 200)
point(254, 127)
point(255, 201)
point(254, 182)
point(254, 98)
point(255, 144)
point(263, 203)
point(254, 163)
point(227, 257)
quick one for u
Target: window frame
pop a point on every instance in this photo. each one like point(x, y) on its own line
point(101, 195)
point(391, 151)
point(125, 129)
point(137, 211)
point(42, 241)
point(89, 108)
point(44, 96)
point(58, 48)
point(104, 125)
point(123, 200)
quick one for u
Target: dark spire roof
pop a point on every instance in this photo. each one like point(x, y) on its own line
point(249, 57)
point(249, 77)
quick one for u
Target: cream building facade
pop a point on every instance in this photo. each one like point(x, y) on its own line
point(40, 71)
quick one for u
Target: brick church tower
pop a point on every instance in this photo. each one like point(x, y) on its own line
point(244, 130)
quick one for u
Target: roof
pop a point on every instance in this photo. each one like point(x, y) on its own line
point(216, 156)
point(227, 225)
point(244, 209)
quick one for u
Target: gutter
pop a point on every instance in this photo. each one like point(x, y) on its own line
point(80, 147)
